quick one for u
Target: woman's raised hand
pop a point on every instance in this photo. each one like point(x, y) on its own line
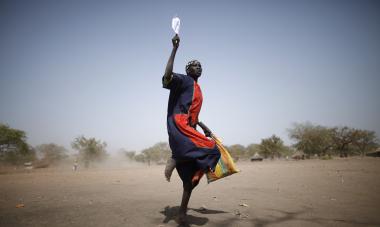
point(175, 41)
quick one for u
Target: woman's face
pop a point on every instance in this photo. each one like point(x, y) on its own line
point(195, 69)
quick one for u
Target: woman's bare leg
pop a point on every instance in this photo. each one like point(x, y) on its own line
point(170, 166)
point(187, 189)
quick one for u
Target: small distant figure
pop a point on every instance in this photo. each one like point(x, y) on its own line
point(75, 166)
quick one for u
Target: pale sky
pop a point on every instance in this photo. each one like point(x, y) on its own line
point(94, 68)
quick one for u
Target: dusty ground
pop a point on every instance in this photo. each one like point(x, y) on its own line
point(341, 192)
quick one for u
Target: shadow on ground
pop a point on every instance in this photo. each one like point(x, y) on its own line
point(171, 213)
point(207, 211)
point(278, 217)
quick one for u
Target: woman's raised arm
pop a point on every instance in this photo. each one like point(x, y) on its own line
point(169, 66)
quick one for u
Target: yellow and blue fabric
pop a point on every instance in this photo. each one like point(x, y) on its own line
point(225, 165)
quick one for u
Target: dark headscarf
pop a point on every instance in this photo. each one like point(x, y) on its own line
point(190, 63)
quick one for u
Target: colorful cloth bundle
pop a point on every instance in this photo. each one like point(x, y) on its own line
point(225, 166)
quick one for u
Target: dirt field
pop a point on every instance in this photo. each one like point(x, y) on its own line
point(341, 192)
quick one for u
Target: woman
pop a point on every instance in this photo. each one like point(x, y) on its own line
point(193, 154)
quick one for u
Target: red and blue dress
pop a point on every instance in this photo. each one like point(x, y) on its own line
point(191, 149)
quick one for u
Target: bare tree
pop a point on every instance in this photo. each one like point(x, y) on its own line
point(343, 137)
point(365, 141)
point(51, 152)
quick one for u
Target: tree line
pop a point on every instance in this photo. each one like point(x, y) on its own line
point(15, 150)
point(312, 140)
point(342, 141)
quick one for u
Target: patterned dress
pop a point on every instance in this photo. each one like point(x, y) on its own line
point(191, 149)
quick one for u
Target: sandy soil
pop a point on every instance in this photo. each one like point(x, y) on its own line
point(341, 192)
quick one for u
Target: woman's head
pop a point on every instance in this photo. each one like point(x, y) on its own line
point(194, 69)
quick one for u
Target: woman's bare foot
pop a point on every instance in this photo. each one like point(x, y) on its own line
point(170, 165)
point(182, 217)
